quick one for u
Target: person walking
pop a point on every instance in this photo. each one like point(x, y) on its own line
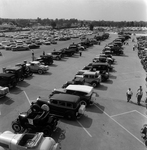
point(80, 53)
point(139, 95)
point(129, 94)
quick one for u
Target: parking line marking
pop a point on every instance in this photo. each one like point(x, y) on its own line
point(123, 113)
point(27, 97)
point(84, 129)
point(141, 113)
point(119, 124)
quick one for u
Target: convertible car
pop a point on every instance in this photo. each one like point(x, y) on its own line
point(11, 141)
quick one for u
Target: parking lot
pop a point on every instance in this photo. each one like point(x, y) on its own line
point(111, 123)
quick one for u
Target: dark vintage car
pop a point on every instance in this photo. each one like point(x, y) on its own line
point(46, 59)
point(17, 71)
point(57, 55)
point(66, 105)
point(36, 119)
point(8, 80)
point(33, 46)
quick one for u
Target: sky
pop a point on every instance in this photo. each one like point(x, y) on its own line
point(108, 10)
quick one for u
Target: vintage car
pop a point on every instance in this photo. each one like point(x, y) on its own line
point(37, 67)
point(66, 105)
point(17, 71)
point(46, 59)
point(32, 141)
point(8, 80)
point(57, 55)
point(3, 91)
point(92, 78)
point(36, 119)
point(20, 48)
point(86, 93)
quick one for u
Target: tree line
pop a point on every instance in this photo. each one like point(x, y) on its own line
point(67, 23)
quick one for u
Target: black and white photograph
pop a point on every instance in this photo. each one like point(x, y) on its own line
point(73, 74)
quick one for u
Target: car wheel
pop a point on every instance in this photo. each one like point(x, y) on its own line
point(40, 71)
point(21, 79)
point(69, 115)
point(94, 84)
point(83, 103)
point(47, 131)
point(16, 127)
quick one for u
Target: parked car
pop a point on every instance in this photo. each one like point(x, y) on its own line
point(8, 80)
point(103, 69)
point(93, 78)
point(37, 67)
point(33, 46)
point(66, 105)
point(32, 141)
point(85, 92)
point(17, 71)
point(3, 91)
point(57, 55)
point(20, 48)
point(36, 119)
point(46, 59)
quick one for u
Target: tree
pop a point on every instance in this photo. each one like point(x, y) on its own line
point(91, 26)
point(53, 24)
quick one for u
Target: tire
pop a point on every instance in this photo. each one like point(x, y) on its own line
point(16, 127)
point(69, 115)
point(47, 131)
point(83, 103)
point(40, 71)
point(94, 84)
point(21, 78)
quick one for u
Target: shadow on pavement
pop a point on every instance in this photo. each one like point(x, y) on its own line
point(109, 81)
point(59, 135)
point(53, 65)
point(112, 76)
point(23, 84)
point(6, 100)
point(96, 108)
point(143, 105)
point(102, 87)
point(84, 120)
point(15, 90)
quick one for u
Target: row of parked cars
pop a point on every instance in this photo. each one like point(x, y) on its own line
point(40, 121)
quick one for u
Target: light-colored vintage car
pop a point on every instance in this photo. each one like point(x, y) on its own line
point(3, 91)
point(31, 141)
point(37, 67)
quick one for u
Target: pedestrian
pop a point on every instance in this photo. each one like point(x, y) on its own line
point(43, 53)
point(133, 47)
point(32, 55)
point(139, 95)
point(80, 53)
point(129, 94)
point(145, 101)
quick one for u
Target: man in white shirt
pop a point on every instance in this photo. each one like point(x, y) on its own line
point(129, 94)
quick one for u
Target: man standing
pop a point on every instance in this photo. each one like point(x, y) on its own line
point(129, 94)
point(139, 95)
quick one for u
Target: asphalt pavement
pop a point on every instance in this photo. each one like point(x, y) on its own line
point(111, 124)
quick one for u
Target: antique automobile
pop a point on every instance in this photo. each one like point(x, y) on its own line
point(37, 67)
point(86, 93)
point(8, 80)
point(32, 141)
point(36, 119)
point(46, 59)
point(26, 72)
point(66, 105)
point(3, 91)
point(17, 71)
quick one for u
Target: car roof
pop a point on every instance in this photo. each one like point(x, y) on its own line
point(6, 74)
point(80, 88)
point(34, 62)
point(99, 63)
point(89, 73)
point(13, 68)
point(65, 97)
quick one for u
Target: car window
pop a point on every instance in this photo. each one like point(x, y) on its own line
point(69, 105)
point(70, 92)
point(62, 103)
point(54, 102)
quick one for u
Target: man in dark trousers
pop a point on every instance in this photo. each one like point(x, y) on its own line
point(129, 94)
point(139, 95)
